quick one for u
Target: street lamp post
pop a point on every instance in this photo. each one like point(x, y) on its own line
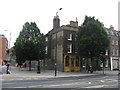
point(56, 47)
point(38, 71)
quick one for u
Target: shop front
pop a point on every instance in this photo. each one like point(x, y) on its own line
point(71, 63)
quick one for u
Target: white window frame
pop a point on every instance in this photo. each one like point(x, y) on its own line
point(106, 64)
point(46, 50)
point(106, 52)
point(46, 39)
point(70, 37)
point(116, 42)
point(113, 41)
point(70, 48)
point(113, 52)
point(117, 52)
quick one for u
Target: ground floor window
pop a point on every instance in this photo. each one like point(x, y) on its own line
point(77, 61)
point(71, 63)
point(67, 61)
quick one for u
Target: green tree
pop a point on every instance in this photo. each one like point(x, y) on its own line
point(29, 44)
point(92, 39)
point(20, 58)
point(41, 50)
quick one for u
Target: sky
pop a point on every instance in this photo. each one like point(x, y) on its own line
point(14, 13)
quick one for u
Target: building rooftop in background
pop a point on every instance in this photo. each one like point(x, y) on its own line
point(1, 35)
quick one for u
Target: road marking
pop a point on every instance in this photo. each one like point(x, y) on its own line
point(51, 85)
point(111, 80)
point(102, 81)
point(65, 84)
point(14, 87)
point(18, 87)
point(34, 86)
point(98, 86)
point(71, 80)
point(89, 83)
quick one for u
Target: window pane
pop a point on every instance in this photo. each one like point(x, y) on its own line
point(67, 61)
point(70, 36)
point(69, 47)
point(77, 61)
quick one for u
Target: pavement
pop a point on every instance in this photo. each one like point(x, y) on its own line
point(23, 72)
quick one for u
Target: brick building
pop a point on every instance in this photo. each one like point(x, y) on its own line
point(62, 37)
point(3, 47)
point(65, 56)
point(113, 51)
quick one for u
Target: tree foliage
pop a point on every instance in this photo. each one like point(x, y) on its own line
point(30, 43)
point(92, 39)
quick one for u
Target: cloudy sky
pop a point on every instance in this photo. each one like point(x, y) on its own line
point(14, 13)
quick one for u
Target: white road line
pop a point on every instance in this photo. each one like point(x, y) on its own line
point(11, 79)
point(111, 80)
point(34, 86)
point(51, 85)
point(15, 87)
point(102, 81)
point(71, 80)
point(65, 84)
point(98, 86)
point(89, 83)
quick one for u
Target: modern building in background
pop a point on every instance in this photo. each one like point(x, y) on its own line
point(3, 48)
point(60, 46)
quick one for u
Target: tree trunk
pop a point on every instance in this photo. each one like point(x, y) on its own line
point(92, 64)
point(38, 69)
point(44, 62)
point(87, 63)
point(29, 65)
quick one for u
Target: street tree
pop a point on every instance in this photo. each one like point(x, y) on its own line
point(92, 39)
point(28, 44)
point(20, 57)
point(41, 50)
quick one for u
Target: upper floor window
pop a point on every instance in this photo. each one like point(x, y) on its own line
point(117, 52)
point(106, 52)
point(46, 39)
point(70, 36)
point(46, 50)
point(116, 33)
point(116, 42)
point(111, 32)
point(113, 52)
point(112, 42)
point(69, 48)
